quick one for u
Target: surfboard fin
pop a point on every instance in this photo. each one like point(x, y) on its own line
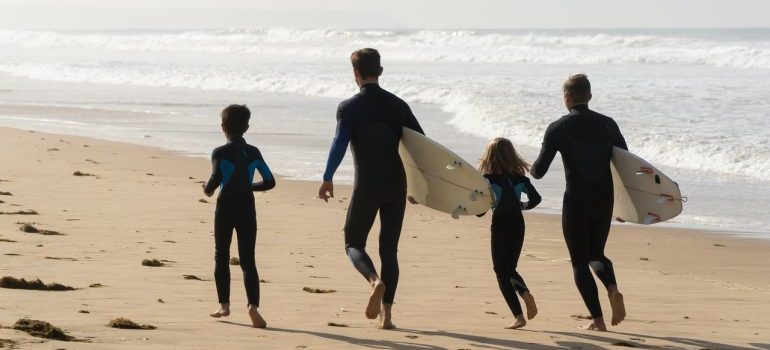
point(651, 219)
point(455, 164)
point(644, 170)
point(665, 198)
point(458, 211)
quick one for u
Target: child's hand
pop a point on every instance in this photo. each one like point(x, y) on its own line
point(326, 187)
point(208, 194)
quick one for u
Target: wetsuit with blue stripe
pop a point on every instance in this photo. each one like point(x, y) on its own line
point(234, 166)
point(585, 140)
point(372, 121)
point(508, 233)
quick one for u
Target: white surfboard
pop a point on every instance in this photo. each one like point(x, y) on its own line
point(440, 179)
point(643, 194)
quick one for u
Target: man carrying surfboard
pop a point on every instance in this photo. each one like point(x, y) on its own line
point(372, 121)
point(585, 140)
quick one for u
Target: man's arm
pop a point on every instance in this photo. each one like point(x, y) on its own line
point(268, 181)
point(339, 145)
point(548, 151)
point(620, 141)
point(411, 121)
point(336, 153)
point(216, 176)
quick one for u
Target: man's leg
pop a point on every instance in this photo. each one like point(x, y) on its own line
point(602, 266)
point(361, 213)
point(576, 234)
point(391, 220)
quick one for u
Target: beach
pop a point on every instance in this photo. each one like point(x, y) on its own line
point(684, 289)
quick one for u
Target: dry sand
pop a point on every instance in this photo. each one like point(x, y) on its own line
point(684, 289)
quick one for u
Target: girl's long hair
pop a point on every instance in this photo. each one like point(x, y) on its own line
point(501, 157)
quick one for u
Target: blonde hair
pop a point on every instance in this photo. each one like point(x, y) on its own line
point(500, 157)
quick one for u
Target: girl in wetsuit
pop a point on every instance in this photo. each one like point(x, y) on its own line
point(505, 170)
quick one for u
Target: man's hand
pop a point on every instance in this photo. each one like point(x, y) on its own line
point(326, 191)
point(411, 200)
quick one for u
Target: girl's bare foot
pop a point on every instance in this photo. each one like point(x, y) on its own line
point(529, 300)
point(385, 321)
point(375, 300)
point(256, 318)
point(597, 324)
point(618, 307)
point(520, 322)
point(224, 311)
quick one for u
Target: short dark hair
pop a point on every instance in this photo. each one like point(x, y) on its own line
point(235, 119)
point(366, 62)
point(578, 87)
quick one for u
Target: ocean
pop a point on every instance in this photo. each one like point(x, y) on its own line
point(694, 102)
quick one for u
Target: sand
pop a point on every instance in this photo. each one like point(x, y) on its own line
point(686, 289)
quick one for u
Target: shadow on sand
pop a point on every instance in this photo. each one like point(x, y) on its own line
point(678, 342)
point(477, 341)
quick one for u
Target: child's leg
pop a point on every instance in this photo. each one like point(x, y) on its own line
point(247, 239)
point(223, 235)
point(516, 279)
point(502, 253)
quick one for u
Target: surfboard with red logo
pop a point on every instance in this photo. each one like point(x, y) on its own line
point(643, 194)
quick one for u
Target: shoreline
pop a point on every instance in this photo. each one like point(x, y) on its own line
point(713, 229)
point(683, 289)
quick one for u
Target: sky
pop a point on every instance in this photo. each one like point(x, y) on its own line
point(383, 14)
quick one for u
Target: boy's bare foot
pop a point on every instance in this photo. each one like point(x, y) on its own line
point(520, 322)
point(224, 311)
point(385, 321)
point(618, 308)
point(374, 307)
point(529, 300)
point(597, 324)
point(256, 318)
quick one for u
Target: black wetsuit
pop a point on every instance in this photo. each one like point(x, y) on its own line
point(585, 139)
point(508, 233)
point(234, 165)
point(372, 121)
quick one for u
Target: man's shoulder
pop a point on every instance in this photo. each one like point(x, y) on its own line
point(394, 98)
point(350, 102)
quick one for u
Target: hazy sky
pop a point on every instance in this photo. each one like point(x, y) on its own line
point(161, 14)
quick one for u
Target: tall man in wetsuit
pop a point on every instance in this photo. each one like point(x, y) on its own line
point(372, 121)
point(585, 140)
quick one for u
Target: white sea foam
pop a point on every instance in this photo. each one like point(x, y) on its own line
point(483, 106)
point(427, 46)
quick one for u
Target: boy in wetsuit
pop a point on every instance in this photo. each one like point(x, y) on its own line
point(585, 140)
point(234, 165)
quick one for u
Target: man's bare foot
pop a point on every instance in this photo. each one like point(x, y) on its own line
point(618, 308)
point(224, 311)
point(256, 318)
point(529, 300)
point(520, 322)
point(597, 324)
point(374, 307)
point(385, 321)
